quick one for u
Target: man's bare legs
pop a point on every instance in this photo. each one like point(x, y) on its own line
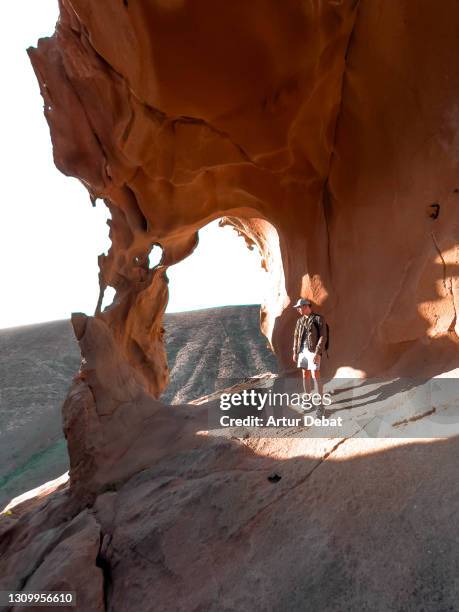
point(318, 382)
point(307, 381)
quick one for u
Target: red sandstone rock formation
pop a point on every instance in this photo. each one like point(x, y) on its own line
point(333, 122)
point(325, 132)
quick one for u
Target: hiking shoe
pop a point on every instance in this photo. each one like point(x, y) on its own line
point(320, 412)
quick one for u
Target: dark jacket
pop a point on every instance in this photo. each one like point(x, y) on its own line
point(313, 330)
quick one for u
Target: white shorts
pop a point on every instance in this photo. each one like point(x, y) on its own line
point(306, 361)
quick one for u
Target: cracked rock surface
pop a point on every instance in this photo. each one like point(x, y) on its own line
point(351, 524)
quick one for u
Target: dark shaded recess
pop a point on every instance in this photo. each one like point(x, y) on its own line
point(103, 563)
point(434, 210)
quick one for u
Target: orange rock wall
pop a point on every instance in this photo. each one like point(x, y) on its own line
point(324, 131)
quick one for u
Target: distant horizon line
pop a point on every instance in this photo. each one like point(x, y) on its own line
point(200, 308)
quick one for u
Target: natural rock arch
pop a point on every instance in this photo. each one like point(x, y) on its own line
point(329, 121)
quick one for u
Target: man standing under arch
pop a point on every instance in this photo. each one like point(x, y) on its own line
point(309, 341)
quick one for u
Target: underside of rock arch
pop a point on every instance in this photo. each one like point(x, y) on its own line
point(326, 132)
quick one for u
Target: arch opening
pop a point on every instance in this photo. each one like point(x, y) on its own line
point(223, 300)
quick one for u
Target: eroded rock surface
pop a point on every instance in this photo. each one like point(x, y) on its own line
point(351, 524)
point(325, 132)
point(206, 349)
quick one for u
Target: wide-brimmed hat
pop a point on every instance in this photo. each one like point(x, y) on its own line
point(302, 302)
